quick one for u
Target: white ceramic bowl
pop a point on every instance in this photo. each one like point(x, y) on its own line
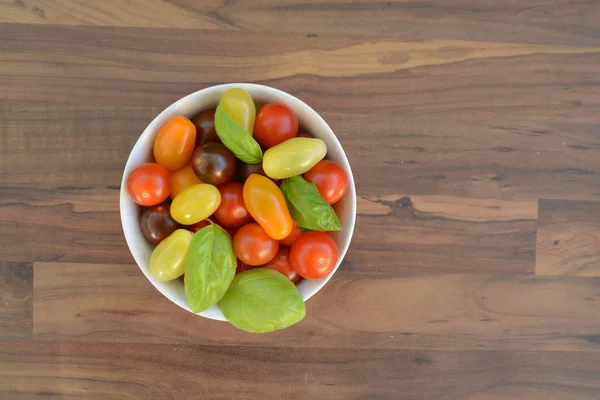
point(191, 105)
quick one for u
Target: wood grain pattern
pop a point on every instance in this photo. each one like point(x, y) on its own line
point(472, 129)
point(136, 371)
point(568, 238)
point(115, 303)
point(16, 300)
point(531, 21)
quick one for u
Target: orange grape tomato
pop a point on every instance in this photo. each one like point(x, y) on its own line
point(175, 142)
point(265, 202)
point(182, 179)
point(292, 237)
point(149, 184)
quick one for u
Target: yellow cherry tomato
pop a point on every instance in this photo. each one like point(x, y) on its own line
point(167, 261)
point(293, 157)
point(265, 202)
point(238, 103)
point(195, 203)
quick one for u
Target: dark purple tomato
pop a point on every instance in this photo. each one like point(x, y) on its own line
point(205, 127)
point(157, 224)
point(245, 170)
point(213, 163)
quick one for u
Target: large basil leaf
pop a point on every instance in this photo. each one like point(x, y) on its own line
point(209, 267)
point(262, 300)
point(307, 207)
point(235, 138)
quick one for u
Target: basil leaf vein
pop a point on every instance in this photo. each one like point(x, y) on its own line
point(307, 207)
point(235, 138)
point(209, 267)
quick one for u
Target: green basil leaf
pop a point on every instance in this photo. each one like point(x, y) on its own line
point(209, 267)
point(307, 207)
point(235, 138)
point(262, 300)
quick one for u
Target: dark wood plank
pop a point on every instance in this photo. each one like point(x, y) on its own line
point(568, 238)
point(529, 21)
point(115, 303)
point(16, 299)
point(154, 67)
point(70, 370)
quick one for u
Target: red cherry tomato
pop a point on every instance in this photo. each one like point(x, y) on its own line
point(314, 255)
point(281, 263)
point(290, 239)
point(308, 135)
point(330, 178)
point(275, 123)
point(253, 246)
point(241, 267)
point(232, 212)
point(198, 225)
point(149, 184)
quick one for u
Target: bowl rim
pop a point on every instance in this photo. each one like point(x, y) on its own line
point(250, 87)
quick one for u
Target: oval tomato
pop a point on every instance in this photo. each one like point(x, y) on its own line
point(182, 179)
point(174, 143)
point(205, 127)
point(238, 103)
point(253, 246)
point(148, 184)
point(232, 212)
point(195, 203)
point(293, 157)
point(290, 239)
point(314, 255)
point(330, 178)
point(168, 258)
point(265, 202)
point(281, 263)
point(275, 123)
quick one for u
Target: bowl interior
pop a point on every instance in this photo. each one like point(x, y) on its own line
point(191, 105)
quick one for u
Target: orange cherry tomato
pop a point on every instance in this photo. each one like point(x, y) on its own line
point(182, 179)
point(266, 204)
point(290, 239)
point(149, 184)
point(175, 142)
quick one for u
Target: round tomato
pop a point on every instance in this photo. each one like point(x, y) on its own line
point(182, 179)
point(148, 184)
point(281, 263)
point(198, 225)
point(314, 255)
point(275, 123)
point(175, 142)
point(253, 246)
point(157, 224)
point(330, 178)
point(213, 163)
point(205, 127)
point(290, 239)
point(266, 204)
point(232, 212)
point(241, 267)
point(307, 135)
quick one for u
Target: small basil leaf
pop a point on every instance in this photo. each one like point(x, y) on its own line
point(209, 267)
point(262, 300)
point(307, 207)
point(235, 138)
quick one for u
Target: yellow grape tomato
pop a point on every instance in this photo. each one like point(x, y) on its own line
point(293, 157)
point(195, 203)
point(167, 261)
point(238, 103)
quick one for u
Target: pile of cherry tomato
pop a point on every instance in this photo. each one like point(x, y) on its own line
point(195, 178)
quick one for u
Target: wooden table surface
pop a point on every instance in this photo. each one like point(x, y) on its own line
point(473, 128)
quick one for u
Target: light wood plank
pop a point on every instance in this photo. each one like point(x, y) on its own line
point(115, 303)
